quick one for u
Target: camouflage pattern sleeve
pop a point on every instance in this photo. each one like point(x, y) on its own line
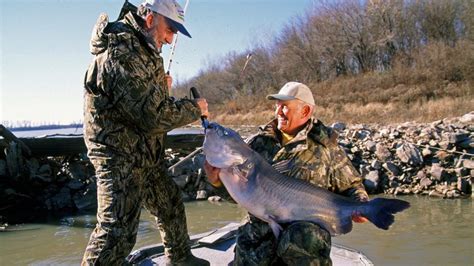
point(345, 178)
point(264, 145)
point(133, 92)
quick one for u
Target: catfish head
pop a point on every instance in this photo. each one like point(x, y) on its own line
point(223, 147)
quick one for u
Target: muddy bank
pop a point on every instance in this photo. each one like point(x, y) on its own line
point(434, 159)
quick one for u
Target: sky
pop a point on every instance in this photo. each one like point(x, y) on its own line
point(44, 47)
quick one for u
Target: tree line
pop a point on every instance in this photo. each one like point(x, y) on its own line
point(347, 38)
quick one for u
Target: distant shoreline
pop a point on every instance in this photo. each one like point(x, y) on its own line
point(44, 127)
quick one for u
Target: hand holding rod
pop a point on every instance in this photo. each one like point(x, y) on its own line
point(195, 94)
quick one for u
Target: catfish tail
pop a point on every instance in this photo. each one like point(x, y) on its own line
point(381, 211)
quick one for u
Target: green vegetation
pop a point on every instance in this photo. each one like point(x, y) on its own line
point(375, 61)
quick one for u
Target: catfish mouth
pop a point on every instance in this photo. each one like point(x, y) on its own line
point(224, 162)
point(217, 148)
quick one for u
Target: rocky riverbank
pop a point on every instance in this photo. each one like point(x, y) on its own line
point(434, 159)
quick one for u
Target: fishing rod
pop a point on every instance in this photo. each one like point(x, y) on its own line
point(204, 122)
point(175, 41)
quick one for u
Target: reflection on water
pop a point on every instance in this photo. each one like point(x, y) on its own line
point(431, 232)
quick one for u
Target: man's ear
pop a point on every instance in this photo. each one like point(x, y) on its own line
point(149, 20)
point(306, 111)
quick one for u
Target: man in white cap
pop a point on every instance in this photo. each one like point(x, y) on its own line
point(127, 113)
point(298, 146)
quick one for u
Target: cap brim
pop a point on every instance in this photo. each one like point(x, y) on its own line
point(280, 97)
point(178, 26)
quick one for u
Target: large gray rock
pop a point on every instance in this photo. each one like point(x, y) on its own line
point(361, 134)
point(409, 153)
point(426, 152)
point(42, 178)
point(181, 180)
point(376, 164)
point(61, 200)
point(214, 199)
point(372, 181)
point(364, 169)
point(384, 132)
point(437, 172)
point(201, 195)
point(461, 171)
point(467, 118)
point(354, 150)
point(382, 153)
point(371, 146)
point(45, 170)
point(86, 199)
point(446, 145)
point(395, 134)
point(452, 194)
point(339, 126)
point(467, 144)
point(14, 160)
point(392, 168)
point(77, 170)
point(425, 182)
point(454, 138)
point(75, 184)
point(420, 174)
point(464, 185)
point(433, 143)
point(33, 166)
point(469, 164)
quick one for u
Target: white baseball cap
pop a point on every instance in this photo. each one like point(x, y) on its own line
point(171, 10)
point(293, 90)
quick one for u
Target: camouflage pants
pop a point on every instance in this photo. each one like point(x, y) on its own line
point(121, 191)
point(300, 243)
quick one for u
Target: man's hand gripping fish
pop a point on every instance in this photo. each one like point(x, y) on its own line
point(275, 198)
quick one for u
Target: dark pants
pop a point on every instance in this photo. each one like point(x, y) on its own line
point(121, 191)
point(300, 243)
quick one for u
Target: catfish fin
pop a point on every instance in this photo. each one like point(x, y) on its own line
point(381, 211)
point(236, 171)
point(276, 228)
point(335, 226)
point(343, 227)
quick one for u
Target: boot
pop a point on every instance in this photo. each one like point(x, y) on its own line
point(189, 260)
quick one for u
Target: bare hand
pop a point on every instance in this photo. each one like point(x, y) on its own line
point(202, 103)
point(212, 174)
point(358, 218)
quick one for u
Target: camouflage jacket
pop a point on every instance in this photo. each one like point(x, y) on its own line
point(127, 107)
point(312, 155)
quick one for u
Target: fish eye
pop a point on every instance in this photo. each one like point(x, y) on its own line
point(226, 133)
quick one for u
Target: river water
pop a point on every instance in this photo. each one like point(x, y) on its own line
point(431, 232)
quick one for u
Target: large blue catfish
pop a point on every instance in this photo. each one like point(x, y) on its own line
point(275, 198)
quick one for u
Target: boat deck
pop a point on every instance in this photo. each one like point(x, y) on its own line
point(217, 247)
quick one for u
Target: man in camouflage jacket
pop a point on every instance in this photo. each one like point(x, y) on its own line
point(127, 113)
point(299, 147)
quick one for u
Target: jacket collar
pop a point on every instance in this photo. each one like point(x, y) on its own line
point(138, 24)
